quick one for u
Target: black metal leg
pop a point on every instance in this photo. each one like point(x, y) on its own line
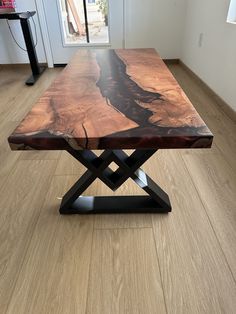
point(157, 201)
point(36, 69)
point(86, 20)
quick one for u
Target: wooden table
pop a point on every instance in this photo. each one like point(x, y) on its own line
point(112, 100)
point(24, 17)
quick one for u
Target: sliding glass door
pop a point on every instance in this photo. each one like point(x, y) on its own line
point(75, 24)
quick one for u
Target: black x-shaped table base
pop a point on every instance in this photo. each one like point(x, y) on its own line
point(157, 201)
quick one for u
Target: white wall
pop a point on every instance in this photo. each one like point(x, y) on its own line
point(149, 23)
point(215, 61)
point(9, 52)
point(155, 23)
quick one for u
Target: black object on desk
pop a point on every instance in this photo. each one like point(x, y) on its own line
point(26, 29)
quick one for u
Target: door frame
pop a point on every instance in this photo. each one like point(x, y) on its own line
point(93, 45)
point(44, 32)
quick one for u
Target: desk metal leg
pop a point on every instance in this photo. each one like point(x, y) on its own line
point(157, 201)
point(36, 69)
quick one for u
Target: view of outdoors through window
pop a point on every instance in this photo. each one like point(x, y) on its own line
point(85, 21)
point(231, 18)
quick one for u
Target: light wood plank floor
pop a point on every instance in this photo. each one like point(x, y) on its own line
point(183, 262)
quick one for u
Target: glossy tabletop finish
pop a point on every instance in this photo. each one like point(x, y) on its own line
point(113, 99)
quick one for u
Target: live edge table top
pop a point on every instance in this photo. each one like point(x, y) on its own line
point(113, 99)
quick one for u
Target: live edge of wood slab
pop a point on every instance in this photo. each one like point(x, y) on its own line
point(113, 99)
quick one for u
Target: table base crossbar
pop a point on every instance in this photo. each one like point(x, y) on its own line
point(157, 201)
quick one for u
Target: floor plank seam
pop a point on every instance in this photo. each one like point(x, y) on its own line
point(226, 160)
point(122, 228)
point(210, 222)
point(89, 273)
point(11, 171)
point(26, 251)
point(158, 262)
point(67, 175)
point(43, 159)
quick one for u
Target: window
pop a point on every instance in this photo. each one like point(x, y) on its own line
point(231, 18)
point(85, 21)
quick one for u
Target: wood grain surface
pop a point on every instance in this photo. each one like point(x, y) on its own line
point(192, 265)
point(124, 273)
point(111, 99)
